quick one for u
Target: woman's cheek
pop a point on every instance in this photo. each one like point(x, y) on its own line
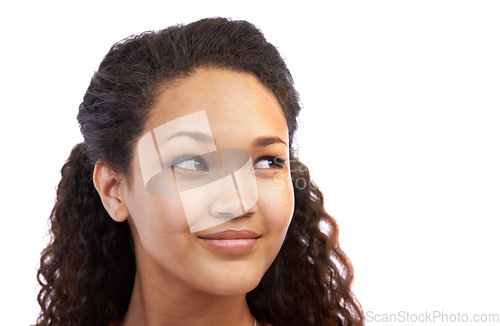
point(160, 214)
point(154, 213)
point(276, 200)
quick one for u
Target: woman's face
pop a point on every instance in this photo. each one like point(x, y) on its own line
point(241, 230)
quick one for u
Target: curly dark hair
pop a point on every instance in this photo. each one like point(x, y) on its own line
point(85, 273)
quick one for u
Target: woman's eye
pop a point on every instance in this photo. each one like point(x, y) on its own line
point(191, 164)
point(269, 162)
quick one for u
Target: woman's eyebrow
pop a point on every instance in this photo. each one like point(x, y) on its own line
point(196, 135)
point(268, 140)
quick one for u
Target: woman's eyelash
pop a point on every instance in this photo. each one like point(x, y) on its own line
point(199, 164)
point(278, 163)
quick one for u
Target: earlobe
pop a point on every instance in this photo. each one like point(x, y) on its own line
point(109, 186)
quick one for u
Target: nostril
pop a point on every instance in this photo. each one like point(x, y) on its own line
point(248, 214)
point(224, 215)
point(230, 209)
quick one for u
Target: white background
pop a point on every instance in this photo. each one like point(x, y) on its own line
point(400, 129)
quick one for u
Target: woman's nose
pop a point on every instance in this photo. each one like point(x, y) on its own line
point(226, 208)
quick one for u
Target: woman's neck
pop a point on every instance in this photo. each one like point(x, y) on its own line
point(160, 299)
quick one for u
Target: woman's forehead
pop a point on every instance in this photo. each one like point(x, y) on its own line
point(235, 104)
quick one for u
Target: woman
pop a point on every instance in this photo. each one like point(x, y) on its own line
point(179, 208)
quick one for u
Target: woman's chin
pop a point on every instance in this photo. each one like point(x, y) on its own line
point(231, 285)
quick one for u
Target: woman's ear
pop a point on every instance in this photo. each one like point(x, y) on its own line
point(110, 188)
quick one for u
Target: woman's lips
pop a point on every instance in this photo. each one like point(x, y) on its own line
point(231, 241)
